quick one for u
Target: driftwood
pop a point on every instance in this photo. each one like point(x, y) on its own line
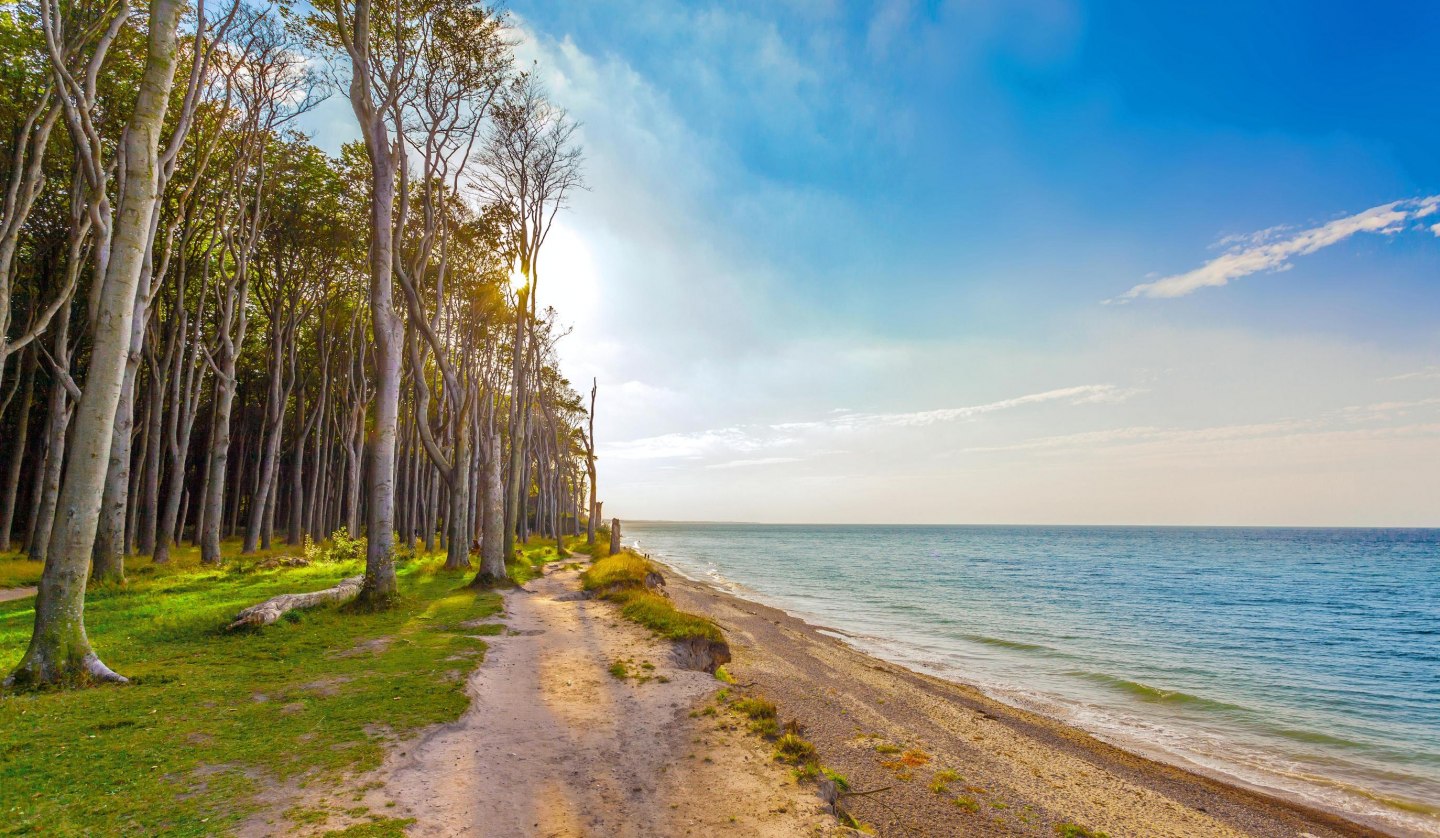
point(275, 607)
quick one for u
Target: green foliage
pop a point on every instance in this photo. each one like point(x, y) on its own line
point(658, 614)
point(755, 707)
point(1073, 830)
point(377, 828)
point(211, 717)
point(625, 568)
point(621, 579)
point(619, 671)
point(940, 781)
point(723, 675)
point(967, 804)
point(795, 750)
point(339, 548)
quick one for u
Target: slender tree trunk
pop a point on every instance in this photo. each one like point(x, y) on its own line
point(109, 549)
point(492, 531)
point(150, 489)
point(17, 448)
point(59, 651)
point(213, 511)
point(57, 423)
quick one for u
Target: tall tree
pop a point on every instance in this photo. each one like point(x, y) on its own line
point(59, 650)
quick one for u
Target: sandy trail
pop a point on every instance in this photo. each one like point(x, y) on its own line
point(554, 745)
point(9, 594)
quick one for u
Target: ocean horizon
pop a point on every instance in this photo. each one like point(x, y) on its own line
point(1303, 661)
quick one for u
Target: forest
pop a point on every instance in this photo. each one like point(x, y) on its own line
point(219, 337)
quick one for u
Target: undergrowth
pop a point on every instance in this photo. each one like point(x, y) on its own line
point(621, 579)
point(213, 717)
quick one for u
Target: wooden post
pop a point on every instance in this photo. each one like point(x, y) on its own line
point(614, 536)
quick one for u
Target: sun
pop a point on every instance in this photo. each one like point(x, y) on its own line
point(568, 277)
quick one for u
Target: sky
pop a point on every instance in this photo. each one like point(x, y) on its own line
point(1000, 261)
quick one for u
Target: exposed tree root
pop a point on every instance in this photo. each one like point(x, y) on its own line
point(275, 607)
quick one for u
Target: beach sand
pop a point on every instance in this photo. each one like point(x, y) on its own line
point(1020, 773)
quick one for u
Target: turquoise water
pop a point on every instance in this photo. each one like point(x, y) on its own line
point(1305, 661)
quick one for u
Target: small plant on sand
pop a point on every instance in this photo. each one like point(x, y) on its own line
point(1075, 830)
point(755, 708)
point(619, 671)
point(887, 748)
point(765, 727)
point(723, 675)
point(794, 750)
point(914, 758)
point(967, 804)
point(941, 780)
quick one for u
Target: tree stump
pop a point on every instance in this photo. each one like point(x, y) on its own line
point(614, 536)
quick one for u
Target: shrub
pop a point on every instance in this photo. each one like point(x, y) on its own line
point(755, 708)
point(794, 750)
point(620, 569)
point(340, 548)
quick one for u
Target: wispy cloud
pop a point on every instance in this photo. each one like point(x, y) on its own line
point(758, 461)
point(1427, 373)
point(1222, 435)
point(1271, 250)
point(1083, 394)
point(755, 438)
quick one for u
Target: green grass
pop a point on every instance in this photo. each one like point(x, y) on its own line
point(1072, 830)
point(212, 717)
point(531, 561)
point(16, 571)
point(755, 707)
point(625, 568)
point(621, 579)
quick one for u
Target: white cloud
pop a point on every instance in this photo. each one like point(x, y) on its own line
point(1427, 373)
point(758, 461)
point(1264, 252)
point(1083, 394)
point(752, 438)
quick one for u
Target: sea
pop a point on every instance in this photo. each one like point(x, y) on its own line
point(1305, 662)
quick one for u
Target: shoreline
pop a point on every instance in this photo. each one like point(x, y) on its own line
point(1125, 791)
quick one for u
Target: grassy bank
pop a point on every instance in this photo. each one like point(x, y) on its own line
point(212, 718)
point(621, 579)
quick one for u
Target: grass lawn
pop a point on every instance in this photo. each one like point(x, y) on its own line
point(211, 718)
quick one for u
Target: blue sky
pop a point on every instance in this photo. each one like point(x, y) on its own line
point(870, 261)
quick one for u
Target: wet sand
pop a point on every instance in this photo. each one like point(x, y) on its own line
point(1019, 773)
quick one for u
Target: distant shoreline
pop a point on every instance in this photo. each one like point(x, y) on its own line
point(813, 673)
point(872, 524)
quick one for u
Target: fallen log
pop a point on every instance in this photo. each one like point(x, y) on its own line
point(272, 609)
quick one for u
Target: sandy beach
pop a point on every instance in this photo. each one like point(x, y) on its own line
point(1019, 773)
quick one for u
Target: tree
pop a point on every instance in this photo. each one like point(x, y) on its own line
point(59, 650)
point(530, 165)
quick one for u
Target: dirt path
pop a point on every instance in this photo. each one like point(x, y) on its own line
point(555, 745)
point(10, 594)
